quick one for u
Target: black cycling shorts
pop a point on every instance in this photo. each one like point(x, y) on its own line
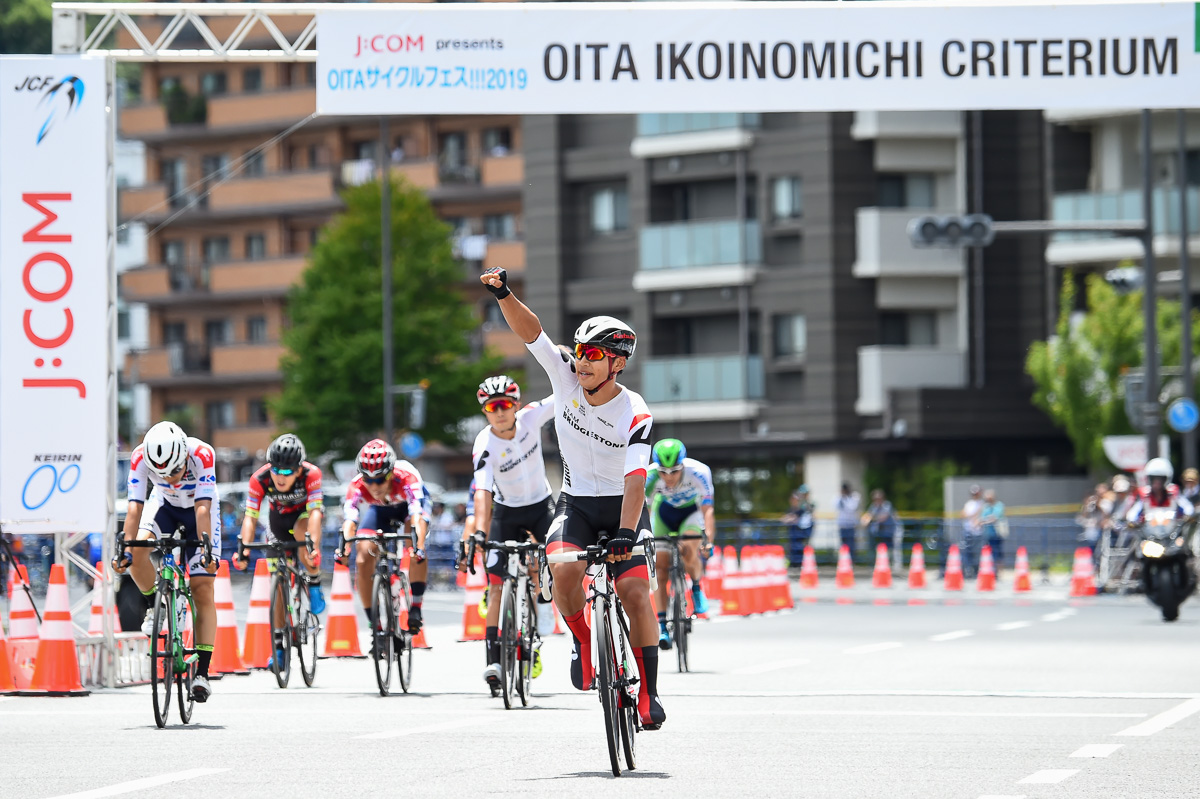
point(282, 524)
point(512, 524)
point(579, 521)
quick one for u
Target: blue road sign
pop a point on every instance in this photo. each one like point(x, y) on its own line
point(412, 445)
point(1183, 415)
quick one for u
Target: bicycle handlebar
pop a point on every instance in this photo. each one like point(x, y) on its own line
point(592, 554)
point(167, 543)
point(682, 537)
point(307, 543)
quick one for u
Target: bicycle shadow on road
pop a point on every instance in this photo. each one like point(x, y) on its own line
point(179, 727)
point(605, 775)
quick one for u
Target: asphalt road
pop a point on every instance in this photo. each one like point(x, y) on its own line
point(870, 696)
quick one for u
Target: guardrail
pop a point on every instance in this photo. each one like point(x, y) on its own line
point(130, 664)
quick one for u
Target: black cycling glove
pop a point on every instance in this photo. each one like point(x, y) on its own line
point(622, 543)
point(502, 291)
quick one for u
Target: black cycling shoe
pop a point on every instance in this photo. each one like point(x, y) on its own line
point(657, 715)
point(414, 620)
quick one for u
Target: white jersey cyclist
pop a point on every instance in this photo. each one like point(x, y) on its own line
point(199, 479)
point(514, 470)
point(589, 436)
point(695, 486)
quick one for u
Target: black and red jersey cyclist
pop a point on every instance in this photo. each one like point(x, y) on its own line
point(385, 490)
point(292, 487)
point(604, 436)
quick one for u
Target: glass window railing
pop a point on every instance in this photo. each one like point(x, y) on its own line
point(1125, 206)
point(672, 124)
point(687, 244)
point(696, 378)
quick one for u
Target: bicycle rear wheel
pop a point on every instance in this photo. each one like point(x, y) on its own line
point(404, 640)
point(610, 699)
point(509, 641)
point(383, 631)
point(162, 658)
point(306, 628)
point(184, 681)
point(281, 624)
point(680, 618)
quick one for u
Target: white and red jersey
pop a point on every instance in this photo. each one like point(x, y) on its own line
point(1171, 499)
point(199, 479)
point(600, 444)
point(513, 469)
point(406, 487)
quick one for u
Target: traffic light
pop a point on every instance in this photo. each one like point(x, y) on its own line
point(972, 230)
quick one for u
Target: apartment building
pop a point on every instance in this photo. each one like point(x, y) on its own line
point(230, 227)
point(781, 311)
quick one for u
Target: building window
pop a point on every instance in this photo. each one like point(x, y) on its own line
point(174, 332)
point(310, 74)
point(256, 246)
point(123, 323)
point(493, 317)
point(173, 253)
point(167, 85)
point(213, 83)
point(497, 141)
point(500, 227)
point(452, 150)
point(219, 415)
point(123, 234)
point(365, 150)
point(251, 80)
point(256, 412)
point(253, 164)
point(217, 332)
point(256, 329)
point(610, 210)
point(786, 199)
point(905, 190)
point(215, 166)
point(216, 249)
point(791, 336)
point(908, 329)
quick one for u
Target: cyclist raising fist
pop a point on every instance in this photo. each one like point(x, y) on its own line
point(604, 436)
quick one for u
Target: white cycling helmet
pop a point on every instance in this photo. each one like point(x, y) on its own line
point(165, 449)
point(498, 386)
point(1159, 467)
point(608, 334)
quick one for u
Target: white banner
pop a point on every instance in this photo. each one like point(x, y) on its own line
point(532, 58)
point(54, 293)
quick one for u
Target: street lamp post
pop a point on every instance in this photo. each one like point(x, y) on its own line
point(1150, 409)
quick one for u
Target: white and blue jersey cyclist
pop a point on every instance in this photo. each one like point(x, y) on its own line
point(679, 491)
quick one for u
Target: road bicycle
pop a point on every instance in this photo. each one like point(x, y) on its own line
point(10, 571)
point(519, 638)
point(174, 659)
point(679, 620)
point(391, 599)
point(612, 654)
point(293, 624)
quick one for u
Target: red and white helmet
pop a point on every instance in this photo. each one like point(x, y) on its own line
point(376, 458)
point(498, 386)
point(165, 449)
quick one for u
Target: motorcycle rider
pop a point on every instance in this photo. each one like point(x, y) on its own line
point(1159, 492)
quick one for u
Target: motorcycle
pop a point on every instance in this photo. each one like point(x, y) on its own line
point(1167, 561)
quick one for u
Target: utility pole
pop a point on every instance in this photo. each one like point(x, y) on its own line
point(385, 256)
point(1150, 409)
point(1185, 287)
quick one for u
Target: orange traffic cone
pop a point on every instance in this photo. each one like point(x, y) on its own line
point(916, 567)
point(882, 578)
point(752, 579)
point(845, 570)
point(96, 624)
point(954, 576)
point(227, 653)
point(474, 624)
point(732, 603)
point(987, 570)
point(57, 670)
point(783, 586)
point(258, 620)
point(341, 636)
point(809, 577)
point(7, 685)
point(1083, 581)
point(1021, 580)
point(22, 618)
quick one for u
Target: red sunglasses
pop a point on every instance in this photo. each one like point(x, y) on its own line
point(589, 353)
point(498, 404)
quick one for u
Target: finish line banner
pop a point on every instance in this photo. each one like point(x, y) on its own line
point(54, 293)
point(532, 58)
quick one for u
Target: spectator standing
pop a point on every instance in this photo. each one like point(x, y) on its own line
point(1092, 516)
point(847, 516)
point(799, 519)
point(971, 512)
point(880, 521)
point(994, 525)
point(1191, 486)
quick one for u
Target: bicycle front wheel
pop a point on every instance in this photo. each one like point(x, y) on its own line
point(306, 629)
point(509, 641)
point(527, 641)
point(680, 619)
point(192, 664)
point(281, 625)
point(383, 631)
point(404, 640)
point(606, 679)
point(162, 657)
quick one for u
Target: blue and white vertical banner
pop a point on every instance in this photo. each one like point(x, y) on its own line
point(54, 294)
point(614, 58)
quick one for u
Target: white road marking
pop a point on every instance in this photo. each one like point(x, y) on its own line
point(1049, 776)
point(1013, 625)
point(1096, 750)
point(142, 784)
point(952, 636)
point(1002, 796)
point(980, 714)
point(1165, 719)
point(775, 666)
point(724, 619)
point(446, 725)
point(868, 648)
point(1059, 615)
point(970, 694)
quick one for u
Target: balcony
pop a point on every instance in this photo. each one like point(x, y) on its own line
point(884, 250)
point(660, 135)
point(247, 359)
point(143, 200)
point(698, 255)
point(278, 189)
point(508, 255)
point(148, 281)
point(881, 369)
point(136, 121)
point(249, 439)
point(703, 387)
point(1118, 206)
point(906, 125)
point(500, 170)
point(161, 364)
point(241, 110)
point(271, 275)
point(179, 283)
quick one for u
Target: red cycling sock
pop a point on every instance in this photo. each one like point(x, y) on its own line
point(643, 692)
point(577, 623)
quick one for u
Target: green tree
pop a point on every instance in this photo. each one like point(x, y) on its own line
point(1079, 372)
point(24, 26)
point(333, 382)
point(912, 487)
